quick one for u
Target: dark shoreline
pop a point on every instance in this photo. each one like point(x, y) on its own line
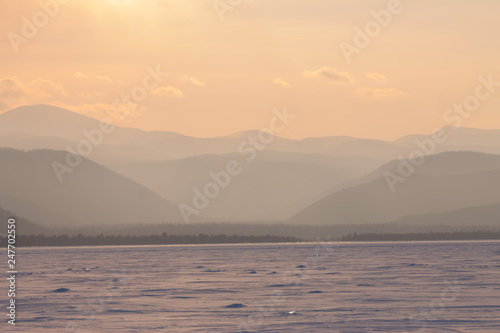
point(163, 239)
point(208, 239)
point(422, 236)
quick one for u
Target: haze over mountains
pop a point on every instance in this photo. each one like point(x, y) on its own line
point(374, 202)
point(23, 226)
point(273, 187)
point(131, 176)
point(45, 126)
point(92, 195)
point(488, 215)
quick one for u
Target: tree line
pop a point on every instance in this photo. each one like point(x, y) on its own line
point(423, 236)
point(166, 239)
point(161, 239)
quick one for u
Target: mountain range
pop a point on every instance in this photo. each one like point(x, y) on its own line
point(90, 195)
point(130, 176)
point(429, 191)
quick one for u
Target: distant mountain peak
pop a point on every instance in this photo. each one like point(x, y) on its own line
point(44, 109)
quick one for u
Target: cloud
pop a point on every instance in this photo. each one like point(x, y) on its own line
point(104, 78)
point(48, 87)
point(168, 92)
point(370, 93)
point(377, 77)
point(86, 96)
point(330, 74)
point(282, 83)
point(12, 88)
point(80, 75)
point(193, 81)
point(114, 112)
point(14, 92)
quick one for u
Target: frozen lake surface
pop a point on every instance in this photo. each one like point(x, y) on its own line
point(327, 287)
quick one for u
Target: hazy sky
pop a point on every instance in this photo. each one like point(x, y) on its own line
point(229, 65)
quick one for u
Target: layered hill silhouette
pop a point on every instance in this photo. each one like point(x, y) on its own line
point(445, 182)
point(23, 226)
point(90, 195)
point(50, 127)
point(462, 138)
point(273, 187)
point(480, 215)
point(132, 176)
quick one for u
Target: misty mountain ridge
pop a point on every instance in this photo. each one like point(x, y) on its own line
point(136, 176)
point(371, 200)
point(91, 195)
point(56, 128)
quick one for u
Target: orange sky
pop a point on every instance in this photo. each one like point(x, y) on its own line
point(229, 65)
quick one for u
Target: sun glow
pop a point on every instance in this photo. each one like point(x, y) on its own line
point(121, 2)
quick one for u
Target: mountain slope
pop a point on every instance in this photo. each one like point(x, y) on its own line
point(23, 226)
point(57, 126)
point(479, 215)
point(270, 187)
point(439, 186)
point(49, 127)
point(460, 138)
point(446, 163)
point(89, 195)
point(50, 121)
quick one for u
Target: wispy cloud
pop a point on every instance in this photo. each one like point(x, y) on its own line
point(377, 77)
point(282, 83)
point(104, 78)
point(48, 87)
point(80, 75)
point(193, 81)
point(370, 93)
point(331, 74)
point(14, 92)
point(12, 88)
point(100, 110)
point(168, 92)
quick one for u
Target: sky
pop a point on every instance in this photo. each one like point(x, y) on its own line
point(362, 68)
